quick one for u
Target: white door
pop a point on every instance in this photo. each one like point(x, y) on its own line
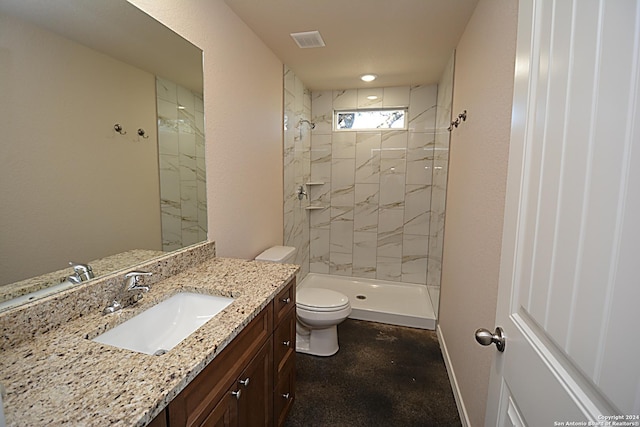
point(569, 292)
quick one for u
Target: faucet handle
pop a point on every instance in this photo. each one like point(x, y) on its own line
point(138, 274)
point(83, 271)
point(132, 278)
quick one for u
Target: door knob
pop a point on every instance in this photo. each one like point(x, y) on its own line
point(485, 337)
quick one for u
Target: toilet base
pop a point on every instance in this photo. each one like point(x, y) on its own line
point(317, 342)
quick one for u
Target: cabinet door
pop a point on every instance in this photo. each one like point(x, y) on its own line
point(225, 414)
point(255, 404)
point(284, 392)
point(284, 342)
point(160, 420)
point(202, 395)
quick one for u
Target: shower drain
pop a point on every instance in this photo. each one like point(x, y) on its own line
point(361, 296)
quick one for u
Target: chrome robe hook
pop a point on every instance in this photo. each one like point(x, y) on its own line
point(118, 128)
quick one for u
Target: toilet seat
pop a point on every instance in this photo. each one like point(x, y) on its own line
point(321, 300)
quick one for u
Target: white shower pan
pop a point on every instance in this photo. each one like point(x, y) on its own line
point(395, 303)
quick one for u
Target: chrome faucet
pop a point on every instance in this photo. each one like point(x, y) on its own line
point(131, 284)
point(82, 272)
point(132, 278)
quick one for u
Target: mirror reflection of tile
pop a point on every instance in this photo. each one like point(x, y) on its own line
point(183, 200)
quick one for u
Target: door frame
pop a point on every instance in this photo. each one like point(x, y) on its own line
point(522, 93)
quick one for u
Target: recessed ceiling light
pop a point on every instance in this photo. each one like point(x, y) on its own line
point(372, 97)
point(368, 77)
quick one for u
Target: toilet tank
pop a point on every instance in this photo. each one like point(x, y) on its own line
point(279, 254)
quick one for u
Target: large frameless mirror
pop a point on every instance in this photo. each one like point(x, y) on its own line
point(102, 154)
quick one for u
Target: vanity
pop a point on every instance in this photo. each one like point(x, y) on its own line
point(252, 381)
point(237, 369)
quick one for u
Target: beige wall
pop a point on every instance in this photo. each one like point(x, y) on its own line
point(71, 188)
point(243, 124)
point(483, 85)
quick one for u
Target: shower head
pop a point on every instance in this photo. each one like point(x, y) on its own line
point(311, 124)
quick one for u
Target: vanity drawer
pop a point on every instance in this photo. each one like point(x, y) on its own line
point(284, 342)
point(285, 301)
point(284, 392)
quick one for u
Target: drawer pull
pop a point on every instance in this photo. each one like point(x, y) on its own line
point(236, 394)
point(286, 300)
point(286, 343)
point(244, 382)
point(285, 396)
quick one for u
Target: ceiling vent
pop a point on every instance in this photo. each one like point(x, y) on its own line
point(308, 39)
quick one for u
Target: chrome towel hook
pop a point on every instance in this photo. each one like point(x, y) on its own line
point(118, 128)
point(462, 117)
point(142, 133)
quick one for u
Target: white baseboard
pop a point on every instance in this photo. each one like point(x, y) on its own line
point(464, 418)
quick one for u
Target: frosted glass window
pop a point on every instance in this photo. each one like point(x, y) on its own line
point(378, 119)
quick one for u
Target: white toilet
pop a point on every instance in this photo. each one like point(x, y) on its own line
point(318, 311)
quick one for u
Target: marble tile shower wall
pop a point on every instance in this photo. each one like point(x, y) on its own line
point(183, 203)
point(297, 166)
point(377, 190)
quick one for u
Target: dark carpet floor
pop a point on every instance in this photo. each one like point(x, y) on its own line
point(383, 375)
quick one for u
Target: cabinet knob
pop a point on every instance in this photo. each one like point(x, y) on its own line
point(244, 382)
point(286, 300)
point(236, 394)
point(286, 343)
point(285, 395)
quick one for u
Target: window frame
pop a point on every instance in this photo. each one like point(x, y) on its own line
point(335, 127)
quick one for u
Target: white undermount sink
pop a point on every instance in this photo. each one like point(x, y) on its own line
point(161, 327)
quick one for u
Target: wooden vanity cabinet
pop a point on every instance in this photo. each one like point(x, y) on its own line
point(224, 414)
point(284, 354)
point(160, 420)
point(247, 403)
point(221, 395)
point(255, 404)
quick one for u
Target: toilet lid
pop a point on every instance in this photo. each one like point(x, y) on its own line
point(318, 299)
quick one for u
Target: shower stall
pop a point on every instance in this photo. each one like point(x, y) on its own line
point(366, 208)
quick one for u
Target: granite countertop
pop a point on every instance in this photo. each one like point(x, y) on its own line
point(62, 377)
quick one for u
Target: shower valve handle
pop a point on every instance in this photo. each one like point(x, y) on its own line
point(301, 193)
